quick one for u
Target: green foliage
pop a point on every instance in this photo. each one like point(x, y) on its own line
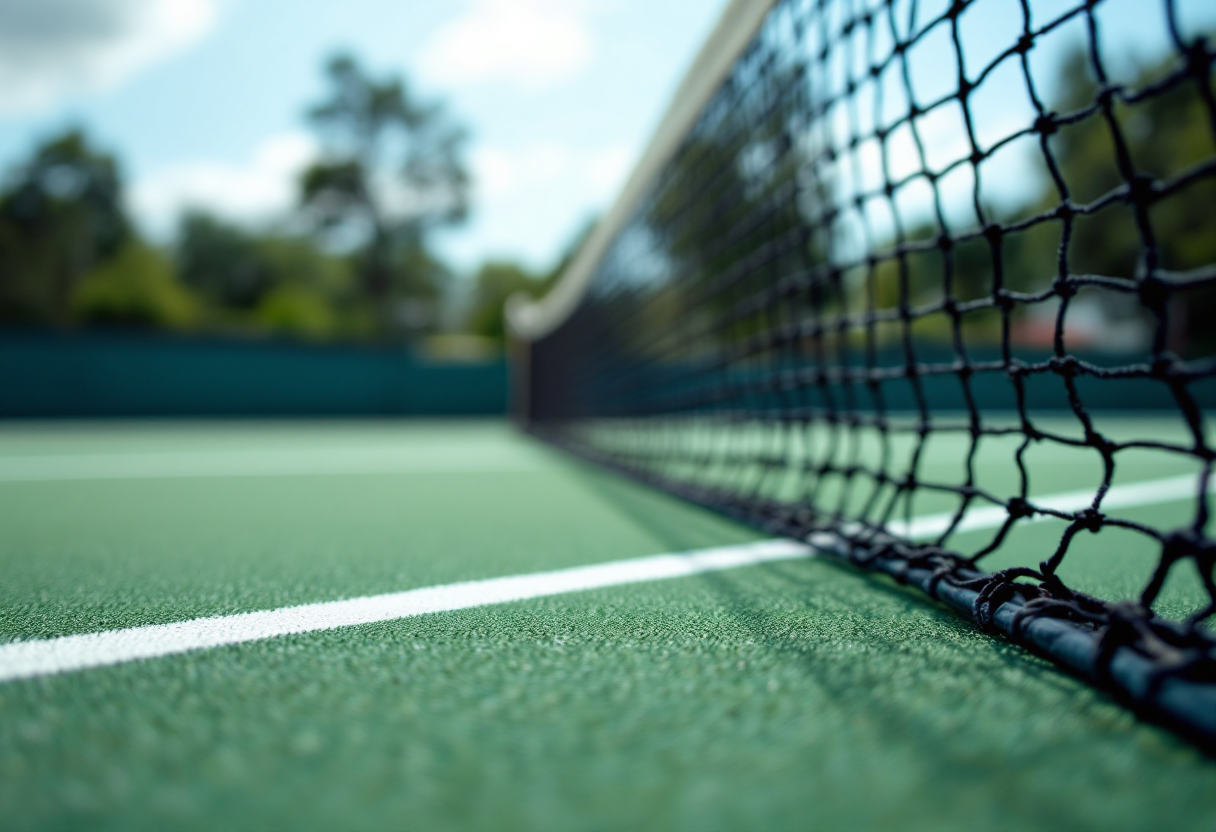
point(61, 215)
point(235, 267)
point(135, 288)
point(494, 283)
point(293, 260)
point(296, 310)
point(1165, 134)
point(392, 171)
point(220, 261)
point(275, 282)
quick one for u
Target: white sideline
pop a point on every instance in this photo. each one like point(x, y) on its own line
point(26, 659)
point(1153, 492)
point(257, 463)
point(23, 659)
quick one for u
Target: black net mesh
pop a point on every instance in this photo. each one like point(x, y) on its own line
point(924, 275)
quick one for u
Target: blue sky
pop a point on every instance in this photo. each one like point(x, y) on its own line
point(202, 99)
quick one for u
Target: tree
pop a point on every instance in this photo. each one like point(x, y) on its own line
point(1165, 133)
point(219, 261)
point(275, 281)
point(495, 282)
point(391, 172)
point(136, 287)
point(61, 216)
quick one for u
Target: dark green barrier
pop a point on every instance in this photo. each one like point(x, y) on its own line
point(94, 374)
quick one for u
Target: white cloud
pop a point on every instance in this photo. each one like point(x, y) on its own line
point(532, 199)
point(499, 174)
point(502, 175)
point(606, 171)
point(50, 49)
point(514, 185)
point(533, 45)
point(257, 190)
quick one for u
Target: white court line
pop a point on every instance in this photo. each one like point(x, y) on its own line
point(260, 463)
point(25, 659)
point(1153, 492)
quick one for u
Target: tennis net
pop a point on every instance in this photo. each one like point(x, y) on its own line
point(890, 272)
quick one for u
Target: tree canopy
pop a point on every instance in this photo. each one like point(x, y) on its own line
point(61, 215)
point(391, 171)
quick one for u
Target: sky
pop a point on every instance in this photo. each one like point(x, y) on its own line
point(203, 100)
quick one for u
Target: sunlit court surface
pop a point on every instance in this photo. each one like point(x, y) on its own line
point(563, 415)
point(749, 695)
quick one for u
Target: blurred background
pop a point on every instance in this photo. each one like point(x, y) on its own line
point(299, 207)
point(282, 207)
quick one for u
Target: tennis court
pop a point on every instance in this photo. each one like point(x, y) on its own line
point(793, 693)
point(859, 477)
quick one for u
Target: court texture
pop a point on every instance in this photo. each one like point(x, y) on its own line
point(446, 625)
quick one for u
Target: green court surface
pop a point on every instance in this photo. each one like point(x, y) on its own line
point(796, 694)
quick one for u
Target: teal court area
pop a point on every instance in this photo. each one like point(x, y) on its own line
point(790, 694)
